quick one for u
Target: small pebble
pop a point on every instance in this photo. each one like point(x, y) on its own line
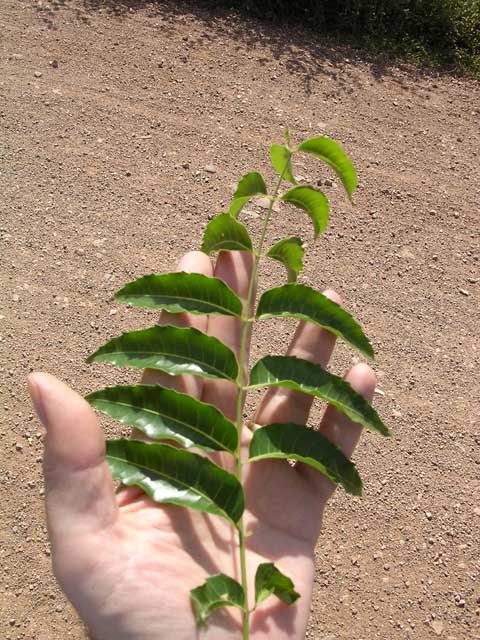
point(264, 203)
point(37, 74)
point(464, 292)
point(437, 626)
point(211, 168)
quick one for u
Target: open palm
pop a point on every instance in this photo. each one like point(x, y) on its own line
point(128, 564)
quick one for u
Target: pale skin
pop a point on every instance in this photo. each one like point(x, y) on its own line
point(127, 564)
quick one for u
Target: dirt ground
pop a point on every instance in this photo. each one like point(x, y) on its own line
point(109, 115)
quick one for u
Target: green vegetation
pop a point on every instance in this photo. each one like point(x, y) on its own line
point(438, 32)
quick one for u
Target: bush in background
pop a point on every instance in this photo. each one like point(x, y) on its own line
point(443, 32)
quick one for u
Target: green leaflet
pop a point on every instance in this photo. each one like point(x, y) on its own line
point(305, 376)
point(268, 580)
point(165, 414)
point(251, 185)
point(179, 291)
point(217, 591)
point(314, 202)
point(281, 158)
point(304, 303)
point(333, 154)
point(172, 350)
point(224, 233)
point(298, 442)
point(289, 252)
point(175, 476)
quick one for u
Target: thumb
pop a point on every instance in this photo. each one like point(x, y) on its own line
point(78, 483)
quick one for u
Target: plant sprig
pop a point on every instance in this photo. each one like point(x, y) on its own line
point(169, 474)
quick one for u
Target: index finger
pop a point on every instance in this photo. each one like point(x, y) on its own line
point(192, 262)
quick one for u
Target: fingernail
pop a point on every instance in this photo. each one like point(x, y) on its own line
point(35, 391)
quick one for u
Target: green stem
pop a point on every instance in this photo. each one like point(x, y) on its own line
point(240, 397)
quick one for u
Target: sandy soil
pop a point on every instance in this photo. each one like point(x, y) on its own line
point(109, 116)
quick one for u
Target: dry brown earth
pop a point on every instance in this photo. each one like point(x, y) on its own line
point(108, 117)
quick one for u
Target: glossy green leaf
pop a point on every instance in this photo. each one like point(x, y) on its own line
point(172, 350)
point(305, 376)
point(224, 233)
point(333, 154)
point(166, 414)
point(217, 591)
point(270, 580)
point(251, 185)
point(175, 476)
point(281, 158)
point(289, 252)
point(298, 442)
point(314, 202)
point(304, 303)
point(179, 291)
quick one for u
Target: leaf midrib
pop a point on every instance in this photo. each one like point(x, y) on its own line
point(153, 295)
point(165, 354)
point(172, 478)
point(226, 241)
point(163, 415)
point(275, 383)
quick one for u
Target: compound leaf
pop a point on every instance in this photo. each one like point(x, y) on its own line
point(289, 252)
point(281, 158)
point(251, 185)
point(333, 154)
point(180, 291)
point(314, 202)
point(217, 591)
point(224, 233)
point(298, 442)
point(305, 376)
point(175, 476)
point(173, 350)
point(268, 580)
point(304, 303)
point(166, 414)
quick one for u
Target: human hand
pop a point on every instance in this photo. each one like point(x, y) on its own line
point(128, 564)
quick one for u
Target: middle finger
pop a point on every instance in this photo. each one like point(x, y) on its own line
point(234, 268)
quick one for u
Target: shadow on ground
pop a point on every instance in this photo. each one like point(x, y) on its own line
point(304, 54)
